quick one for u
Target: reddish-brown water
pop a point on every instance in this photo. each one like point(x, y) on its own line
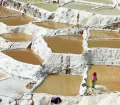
point(104, 34)
point(19, 20)
point(6, 12)
point(65, 44)
point(52, 25)
point(110, 42)
point(104, 43)
point(12, 21)
point(24, 55)
point(66, 85)
point(17, 37)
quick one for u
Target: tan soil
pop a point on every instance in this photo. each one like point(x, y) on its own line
point(17, 37)
point(65, 44)
point(24, 55)
point(104, 43)
point(2, 75)
point(5, 12)
point(52, 25)
point(108, 76)
point(66, 85)
point(104, 34)
point(19, 20)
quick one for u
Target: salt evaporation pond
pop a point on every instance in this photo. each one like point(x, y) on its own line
point(101, 38)
point(47, 6)
point(7, 12)
point(108, 76)
point(106, 11)
point(103, 34)
point(102, 1)
point(52, 25)
point(17, 37)
point(18, 20)
point(66, 85)
point(80, 6)
point(14, 20)
point(65, 44)
point(2, 75)
point(24, 55)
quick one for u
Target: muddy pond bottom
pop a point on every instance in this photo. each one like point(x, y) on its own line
point(24, 55)
point(108, 76)
point(52, 25)
point(65, 44)
point(17, 37)
point(66, 85)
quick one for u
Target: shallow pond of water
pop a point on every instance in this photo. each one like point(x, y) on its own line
point(104, 43)
point(103, 34)
point(6, 12)
point(65, 44)
point(109, 76)
point(47, 6)
point(19, 20)
point(24, 55)
point(106, 11)
point(2, 75)
point(52, 25)
point(17, 37)
point(80, 6)
point(66, 85)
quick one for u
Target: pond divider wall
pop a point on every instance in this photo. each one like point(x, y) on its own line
point(100, 55)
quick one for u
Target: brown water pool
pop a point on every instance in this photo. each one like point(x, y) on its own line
point(104, 43)
point(2, 75)
point(65, 44)
point(17, 37)
point(24, 55)
point(104, 34)
point(108, 76)
point(19, 20)
point(5, 12)
point(52, 25)
point(66, 85)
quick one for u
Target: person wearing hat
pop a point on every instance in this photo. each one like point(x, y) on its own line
point(93, 80)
